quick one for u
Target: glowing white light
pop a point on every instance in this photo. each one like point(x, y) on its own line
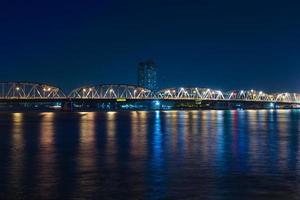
point(157, 103)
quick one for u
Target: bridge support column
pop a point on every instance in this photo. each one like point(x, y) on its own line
point(67, 106)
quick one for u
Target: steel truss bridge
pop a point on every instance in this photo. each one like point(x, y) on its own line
point(29, 91)
point(40, 91)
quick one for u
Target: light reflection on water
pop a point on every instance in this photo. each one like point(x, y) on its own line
point(46, 155)
point(150, 155)
point(17, 152)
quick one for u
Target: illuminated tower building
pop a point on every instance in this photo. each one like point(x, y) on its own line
point(147, 75)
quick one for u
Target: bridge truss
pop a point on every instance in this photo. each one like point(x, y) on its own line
point(237, 95)
point(111, 92)
point(25, 90)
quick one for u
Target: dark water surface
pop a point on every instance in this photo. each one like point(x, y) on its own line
point(150, 155)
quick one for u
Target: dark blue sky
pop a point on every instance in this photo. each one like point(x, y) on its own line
point(208, 43)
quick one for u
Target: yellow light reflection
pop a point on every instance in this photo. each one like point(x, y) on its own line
point(253, 126)
point(205, 118)
point(182, 137)
point(174, 131)
point(46, 127)
point(283, 127)
point(87, 153)
point(87, 140)
point(17, 150)
point(46, 154)
point(111, 136)
point(138, 133)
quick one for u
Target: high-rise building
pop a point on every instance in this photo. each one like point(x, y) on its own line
point(147, 75)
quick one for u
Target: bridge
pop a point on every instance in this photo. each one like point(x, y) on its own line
point(26, 92)
point(29, 91)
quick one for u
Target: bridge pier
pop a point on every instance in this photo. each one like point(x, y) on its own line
point(67, 106)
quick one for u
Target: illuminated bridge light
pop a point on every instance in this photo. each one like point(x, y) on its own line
point(46, 89)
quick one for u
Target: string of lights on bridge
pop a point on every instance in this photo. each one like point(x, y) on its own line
point(25, 90)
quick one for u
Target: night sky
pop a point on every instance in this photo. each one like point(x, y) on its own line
point(206, 43)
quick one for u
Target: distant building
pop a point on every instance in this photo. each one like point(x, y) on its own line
point(147, 75)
